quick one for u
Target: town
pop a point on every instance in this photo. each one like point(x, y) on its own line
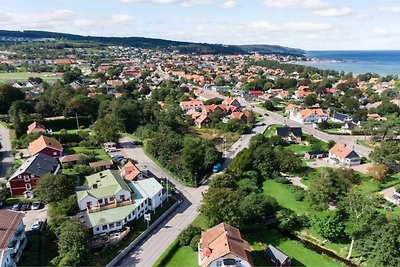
point(126, 156)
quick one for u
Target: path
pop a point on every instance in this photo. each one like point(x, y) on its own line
point(297, 182)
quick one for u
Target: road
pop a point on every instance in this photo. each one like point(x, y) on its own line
point(6, 158)
point(152, 247)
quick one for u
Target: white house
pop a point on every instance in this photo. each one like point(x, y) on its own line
point(12, 237)
point(308, 116)
point(223, 245)
point(110, 202)
point(344, 156)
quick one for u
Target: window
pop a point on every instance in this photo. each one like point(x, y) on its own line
point(55, 153)
point(97, 228)
point(27, 178)
point(122, 197)
point(19, 176)
point(101, 201)
point(118, 224)
point(104, 227)
point(28, 186)
point(111, 225)
point(112, 198)
point(32, 175)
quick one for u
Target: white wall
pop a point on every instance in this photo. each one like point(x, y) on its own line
point(243, 263)
point(83, 203)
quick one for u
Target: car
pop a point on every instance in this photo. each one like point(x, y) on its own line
point(26, 206)
point(17, 206)
point(37, 225)
point(266, 114)
point(1, 204)
point(137, 143)
point(36, 205)
point(396, 197)
point(111, 149)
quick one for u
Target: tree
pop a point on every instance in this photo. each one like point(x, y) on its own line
point(329, 224)
point(256, 207)
point(73, 245)
point(107, 129)
point(223, 180)
point(221, 205)
point(288, 161)
point(310, 100)
point(359, 210)
point(4, 192)
point(72, 75)
point(387, 153)
point(8, 95)
point(378, 172)
point(268, 105)
point(319, 192)
point(51, 188)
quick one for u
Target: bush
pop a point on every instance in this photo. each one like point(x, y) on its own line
point(299, 195)
point(282, 180)
point(194, 242)
point(187, 235)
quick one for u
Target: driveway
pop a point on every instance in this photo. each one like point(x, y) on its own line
point(388, 195)
point(32, 215)
point(6, 158)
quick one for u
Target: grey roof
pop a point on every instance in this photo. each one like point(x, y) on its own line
point(317, 152)
point(285, 131)
point(351, 125)
point(341, 117)
point(38, 165)
point(276, 254)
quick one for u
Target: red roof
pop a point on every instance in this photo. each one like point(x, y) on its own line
point(256, 92)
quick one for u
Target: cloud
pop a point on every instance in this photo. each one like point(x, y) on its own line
point(266, 26)
point(392, 9)
point(190, 3)
point(149, 1)
point(333, 12)
point(380, 32)
point(184, 3)
point(363, 16)
point(297, 4)
point(229, 4)
point(120, 19)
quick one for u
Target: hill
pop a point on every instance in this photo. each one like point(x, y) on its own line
point(151, 43)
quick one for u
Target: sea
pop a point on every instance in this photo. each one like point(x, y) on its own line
point(380, 62)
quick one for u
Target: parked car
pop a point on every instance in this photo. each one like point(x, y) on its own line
point(111, 149)
point(136, 143)
point(36, 205)
point(26, 206)
point(1, 204)
point(266, 114)
point(396, 197)
point(17, 206)
point(37, 225)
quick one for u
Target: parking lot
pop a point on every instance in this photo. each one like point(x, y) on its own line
point(32, 215)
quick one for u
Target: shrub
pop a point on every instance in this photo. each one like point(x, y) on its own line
point(194, 242)
point(187, 235)
point(299, 195)
point(282, 180)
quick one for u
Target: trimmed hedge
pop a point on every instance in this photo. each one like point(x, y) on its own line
point(59, 124)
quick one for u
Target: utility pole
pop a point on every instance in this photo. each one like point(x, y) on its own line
point(195, 179)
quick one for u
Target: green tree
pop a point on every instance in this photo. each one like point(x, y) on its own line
point(329, 224)
point(256, 207)
point(107, 129)
point(72, 75)
point(387, 153)
point(73, 245)
point(288, 161)
point(221, 205)
point(8, 95)
point(310, 100)
point(51, 188)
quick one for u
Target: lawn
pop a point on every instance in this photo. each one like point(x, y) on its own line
point(24, 76)
point(217, 136)
point(301, 256)
point(284, 196)
point(98, 152)
point(183, 256)
point(74, 131)
point(271, 129)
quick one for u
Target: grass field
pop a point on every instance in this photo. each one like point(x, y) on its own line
point(24, 76)
point(301, 256)
point(98, 152)
point(216, 134)
point(271, 130)
point(183, 256)
point(284, 196)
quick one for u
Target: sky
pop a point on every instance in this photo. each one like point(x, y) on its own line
point(305, 24)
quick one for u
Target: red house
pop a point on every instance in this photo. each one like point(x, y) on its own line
point(46, 145)
point(25, 178)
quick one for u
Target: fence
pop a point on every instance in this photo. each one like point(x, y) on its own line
point(142, 235)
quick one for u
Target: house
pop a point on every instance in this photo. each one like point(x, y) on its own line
point(35, 127)
point(277, 257)
point(12, 237)
point(231, 102)
point(340, 117)
point(308, 116)
point(71, 158)
point(192, 104)
point(291, 108)
point(290, 134)
point(101, 165)
point(46, 145)
point(130, 172)
point(25, 178)
point(238, 115)
point(348, 127)
point(344, 156)
point(316, 154)
point(223, 245)
point(109, 202)
point(202, 121)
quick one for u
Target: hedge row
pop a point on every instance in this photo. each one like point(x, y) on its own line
point(64, 123)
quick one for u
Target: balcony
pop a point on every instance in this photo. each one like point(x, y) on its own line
point(110, 205)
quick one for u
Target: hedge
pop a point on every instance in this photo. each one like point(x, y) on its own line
point(64, 123)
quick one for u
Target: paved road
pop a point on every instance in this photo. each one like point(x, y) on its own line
point(152, 247)
point(6, 159)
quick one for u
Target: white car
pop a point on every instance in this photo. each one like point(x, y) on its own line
point(37, 224)
point(35, 205)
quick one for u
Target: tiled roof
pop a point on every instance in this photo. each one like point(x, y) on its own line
point(38, 165)
point(101, 163)
point(42, 142)
point(341, 151)
point(224, 240)
point(9, 222)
